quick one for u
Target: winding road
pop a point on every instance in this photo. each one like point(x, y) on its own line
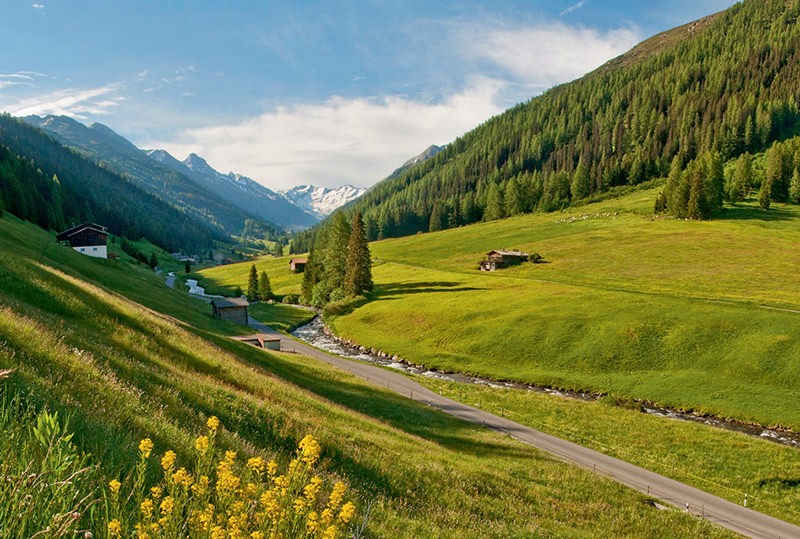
point(732, 516)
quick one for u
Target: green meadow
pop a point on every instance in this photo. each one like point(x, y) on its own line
point(693, 315)
point(106, 344)
point(224, 279)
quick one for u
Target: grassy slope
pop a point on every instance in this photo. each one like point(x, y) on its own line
point(125, 371)
point(224, 279)
point(656, 309)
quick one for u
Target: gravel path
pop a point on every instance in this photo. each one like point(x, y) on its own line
point(733, 516)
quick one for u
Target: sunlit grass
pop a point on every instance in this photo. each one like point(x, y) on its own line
point(127, 358)
point(656, 309)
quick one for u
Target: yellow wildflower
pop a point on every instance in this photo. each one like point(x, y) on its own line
point(312, 523)
point(312, 489)
point(167, 505)
point(145, 447)
point(141, 531)
point(114, 528)
point(213, 423)
point(217, 533)
point(156, 492)
point(201, 486)
point(169, 460)
point(309, 450)
point(272, 468)
point(299, 505)
point(347, 513)
point(147, 507)
point(183, 478)
point(282, 482)
point(336, 495)
point(330, 533)
point(230, 456)
point(251, 489)
point(201, 444)
point(327, 516)
point(258, 465)
point(256, 535)
point(113, 486)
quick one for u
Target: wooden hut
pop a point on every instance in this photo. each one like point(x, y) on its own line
point(230, 309)
point(298, 265)
point(502, 259)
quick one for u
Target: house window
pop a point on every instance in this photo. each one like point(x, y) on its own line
point(94, 248)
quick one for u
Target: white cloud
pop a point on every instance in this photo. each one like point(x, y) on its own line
point(40, 7)
point(550, 54)
point(356, 141)
point(78, 103)
point(573, 7)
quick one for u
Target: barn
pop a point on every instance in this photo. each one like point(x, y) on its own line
point(298, 265)
point(230, 309)
point(87, 238)
point(502, 259)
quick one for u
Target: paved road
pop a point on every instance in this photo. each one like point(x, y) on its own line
point(727, 514)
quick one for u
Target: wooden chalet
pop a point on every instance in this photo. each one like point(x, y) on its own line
point(298, 265)
point(502, 259)
point(261, 340)
point(87, 238)
point(230, 309)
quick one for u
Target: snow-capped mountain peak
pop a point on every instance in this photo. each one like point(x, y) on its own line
point(322, 201)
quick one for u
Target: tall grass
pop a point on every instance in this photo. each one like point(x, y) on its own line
point(47, 488)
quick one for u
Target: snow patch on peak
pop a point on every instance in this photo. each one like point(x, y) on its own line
point(322, 201)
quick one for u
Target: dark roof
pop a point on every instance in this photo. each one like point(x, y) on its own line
point(508, 253)
point(229, 302)
point(80, 228)
point(261, 337)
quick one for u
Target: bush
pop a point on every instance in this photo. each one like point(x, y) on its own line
point(291, 299)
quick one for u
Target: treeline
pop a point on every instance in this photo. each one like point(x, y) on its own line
point(724, 86)
point(697, 189)
point(54, 187)
point(339, 263)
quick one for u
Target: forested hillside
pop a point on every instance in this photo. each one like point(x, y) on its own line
point(118, 155)
point(714, 89)
point(54, 187)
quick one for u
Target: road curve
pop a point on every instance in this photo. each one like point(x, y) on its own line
point(732, 516)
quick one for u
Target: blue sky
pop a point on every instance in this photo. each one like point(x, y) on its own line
point(294, 92)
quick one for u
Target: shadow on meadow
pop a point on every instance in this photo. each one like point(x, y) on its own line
point(395, 410)
point(754, 213)
point(422, 287)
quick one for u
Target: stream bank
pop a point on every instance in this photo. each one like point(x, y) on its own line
point(318, 335)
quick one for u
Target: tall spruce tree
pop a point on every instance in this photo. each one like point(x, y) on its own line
point(264, 286)
point(358, 278)
point(252, 284)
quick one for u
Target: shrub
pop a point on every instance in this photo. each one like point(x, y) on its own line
point(292, 299)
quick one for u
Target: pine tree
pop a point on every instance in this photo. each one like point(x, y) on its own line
point(495, 206)
point(252, 284)
point(264, 287)
point(153, 262)
point(764, 199)
point(581, 183)
point(794, 187)
point(358, 278)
